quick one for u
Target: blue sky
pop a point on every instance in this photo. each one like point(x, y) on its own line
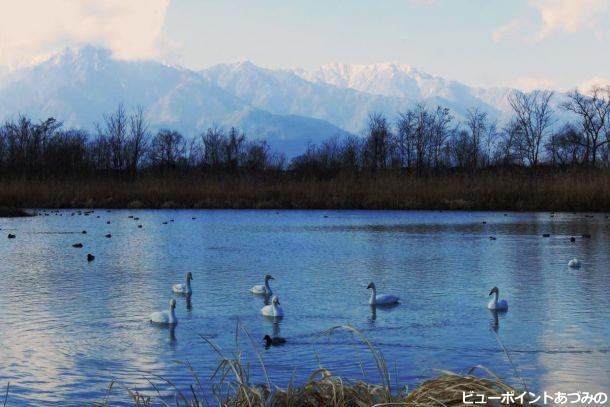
point(524, 43)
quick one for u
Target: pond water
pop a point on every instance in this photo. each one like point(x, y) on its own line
point(68, 327)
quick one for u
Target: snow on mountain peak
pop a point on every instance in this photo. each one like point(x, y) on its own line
point(387, 79)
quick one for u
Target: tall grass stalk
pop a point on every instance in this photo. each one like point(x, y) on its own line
point(231, 385)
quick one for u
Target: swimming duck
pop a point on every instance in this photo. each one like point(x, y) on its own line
point(494, 304)
point(380, 299)
point(275, 341)
point(184, 288)
point(165, 317)
point(574, 263)
point(273, 310)
point(263, 288)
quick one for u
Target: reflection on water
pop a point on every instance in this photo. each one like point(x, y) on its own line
point(68, 327)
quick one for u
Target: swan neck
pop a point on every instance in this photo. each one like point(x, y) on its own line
point(172, 315)
point(188, 284)
point(373, 296)
point(267, 285)
point(496, 296)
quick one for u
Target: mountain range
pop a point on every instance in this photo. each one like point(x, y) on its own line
point(289, 108)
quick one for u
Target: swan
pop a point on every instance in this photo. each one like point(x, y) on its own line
point(275, 341)
point(381, 299)
point(184, 288)
point(273, 310)
point(494, 304)
point(263, 288)
point(165, 317)
point(574, 263)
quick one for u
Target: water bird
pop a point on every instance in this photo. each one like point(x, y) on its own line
point(11, 236)
point(90, 257)
point(165, 317)
point(184, 288)
point(130, 216)
point(574, 263)
point(492, 238)
point(84, 232)
point(494, 304)
point(572, 239)
point(273, 310)
point(380, 299)
point(546, 235)
point(263, 288)
point(77, 245)
point(139, 226)
point(136, 218)
point(165, 223)
point(108, 222)
point(586, 236)
point(275, 341)
point(108, 235)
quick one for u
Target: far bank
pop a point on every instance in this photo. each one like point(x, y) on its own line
point(518, 190)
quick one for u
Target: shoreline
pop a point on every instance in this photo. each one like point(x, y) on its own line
point(515, 191)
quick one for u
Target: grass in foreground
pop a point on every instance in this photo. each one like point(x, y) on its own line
point(231, 386)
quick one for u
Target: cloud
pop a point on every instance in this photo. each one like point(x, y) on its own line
point(507, 29)
point(528, 84)
point(30, 30)
point(597, 81)
point(569, 15)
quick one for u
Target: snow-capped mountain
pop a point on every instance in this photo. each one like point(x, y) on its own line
point(289, 108)
point(79, 85)
point(405, 82)
point(389, 79)
point(345, 94)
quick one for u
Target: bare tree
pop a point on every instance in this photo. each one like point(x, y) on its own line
point(114, 131)
point(593, 112)
point(534, 115)
point(138, 139)
point(167, 149)
point(476, 122)
point(403, 140)
point(378, 141)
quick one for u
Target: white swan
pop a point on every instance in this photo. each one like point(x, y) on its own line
point(494, 304)
point(574, 263)
point(184, 288)
point(165, 317)
point(381, 299)
point(273, 310)
point(263, 288)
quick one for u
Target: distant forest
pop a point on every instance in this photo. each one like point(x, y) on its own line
point(418, 141)
point(424, 158)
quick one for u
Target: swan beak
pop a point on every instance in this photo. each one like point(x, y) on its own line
point(491, 292)
point(278, 302)
point(368, 286)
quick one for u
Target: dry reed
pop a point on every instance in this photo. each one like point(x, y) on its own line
point(231, 386)
point(576, 190)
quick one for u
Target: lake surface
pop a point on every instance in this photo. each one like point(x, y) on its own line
point(68, 327)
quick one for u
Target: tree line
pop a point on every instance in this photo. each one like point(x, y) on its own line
point(422, 140)
point(417, 141)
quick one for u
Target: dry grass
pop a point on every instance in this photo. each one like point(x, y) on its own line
point(576, 190)
point(231, 386)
